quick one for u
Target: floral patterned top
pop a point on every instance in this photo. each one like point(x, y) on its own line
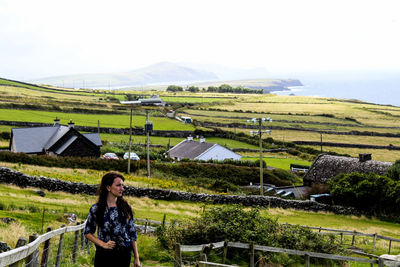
point(123, 234)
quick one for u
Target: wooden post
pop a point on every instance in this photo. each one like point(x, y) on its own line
point(390, 245)
point(33, 259)
point(373, 249)
point(21, 242)
point(251, 254)
point(82, 238)
point(203, 253)
point(178, 256)
point(354, 238)
point(341, 238)
point(225, 252)
point(380, 262)
point(59, 251)
point(75, 245)
point(46, 251)
point(145, 225)
point(307, 258)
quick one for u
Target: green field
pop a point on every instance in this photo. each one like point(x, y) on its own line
point(281, 163)
point(114, 121)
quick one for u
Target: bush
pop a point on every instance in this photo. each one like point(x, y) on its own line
point(371, 192)
point(238, 224)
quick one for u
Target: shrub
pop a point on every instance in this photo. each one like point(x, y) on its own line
point(238, 224)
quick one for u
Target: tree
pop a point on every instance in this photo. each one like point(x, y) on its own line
point(174, 88)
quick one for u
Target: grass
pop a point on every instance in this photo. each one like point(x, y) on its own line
point(281, 163)
point(114, 121)
point(16, 202)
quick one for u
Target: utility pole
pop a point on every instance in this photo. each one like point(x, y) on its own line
point(148, 128)
point(261, 159)
point(129, 145)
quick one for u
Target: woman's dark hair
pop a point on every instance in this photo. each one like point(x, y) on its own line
point(124, 209)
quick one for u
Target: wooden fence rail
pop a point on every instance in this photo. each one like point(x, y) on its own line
point(252, 247)
point(20, 253)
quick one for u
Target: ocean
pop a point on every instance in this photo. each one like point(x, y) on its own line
point(373, 87)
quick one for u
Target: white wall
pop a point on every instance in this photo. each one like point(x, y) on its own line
point(218, 152)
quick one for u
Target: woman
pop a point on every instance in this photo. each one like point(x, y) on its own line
point(116, 233)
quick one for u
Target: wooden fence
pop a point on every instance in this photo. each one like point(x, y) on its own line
point(353, 234)
point(30, 252)
point(206, 248)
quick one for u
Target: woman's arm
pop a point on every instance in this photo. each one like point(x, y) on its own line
point(136, 255)
point(109, 245)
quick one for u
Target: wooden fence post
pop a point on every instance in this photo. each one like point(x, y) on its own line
point(390, 245)
point(145, 225)
point(33, 259)
point(75, 246)
point(307, 258)
point(341, 238)
point(225, 252)
point(21, 242)
point(82, 238)
point(46, 251)
point(354, 238)
point(59, 250)
point(373, 249)
point(251, 254)
point(178, 256)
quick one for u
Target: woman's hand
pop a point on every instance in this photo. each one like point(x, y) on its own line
point(109, 245)
point(136, 263)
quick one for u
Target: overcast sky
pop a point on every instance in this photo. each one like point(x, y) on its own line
point(46, 38)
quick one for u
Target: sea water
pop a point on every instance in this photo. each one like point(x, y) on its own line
point(378, 88)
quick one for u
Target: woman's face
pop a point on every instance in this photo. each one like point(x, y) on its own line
point(117, 187)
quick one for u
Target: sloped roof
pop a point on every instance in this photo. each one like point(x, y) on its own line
point(40, 139)
point(94, 137)
point(189, 149)
point(326, 167)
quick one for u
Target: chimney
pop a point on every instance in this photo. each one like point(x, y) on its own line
point(71, 124)
point(202, 140)
point(364, 157)
point(190, 138)
point(56, 122)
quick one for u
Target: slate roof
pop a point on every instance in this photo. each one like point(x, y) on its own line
point(40, 139)
point(326, 167)
point(189, 149)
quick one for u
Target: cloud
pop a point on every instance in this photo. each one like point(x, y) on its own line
point(46, 38)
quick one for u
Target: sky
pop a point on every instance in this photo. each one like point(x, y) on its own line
point(44, 38)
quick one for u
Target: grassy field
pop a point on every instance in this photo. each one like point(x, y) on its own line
point(27, 207)
point(281, 163)
point(114, 121)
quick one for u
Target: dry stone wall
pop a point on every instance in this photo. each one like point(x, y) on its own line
point(10, 176)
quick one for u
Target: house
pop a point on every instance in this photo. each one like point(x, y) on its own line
point(326, 167)
point(56, 140)
point(201, 150)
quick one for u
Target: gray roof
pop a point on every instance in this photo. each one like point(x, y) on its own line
point(39, 139)
point(189, 149)
point(94, 137)
point(326, 167)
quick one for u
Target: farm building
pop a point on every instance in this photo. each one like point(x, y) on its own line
point(326, 167)
point(56, 140)
point(201, 150)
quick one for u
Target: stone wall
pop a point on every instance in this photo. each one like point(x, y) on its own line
point(10, 176)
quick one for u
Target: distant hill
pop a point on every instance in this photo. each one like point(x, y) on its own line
point(164, 72)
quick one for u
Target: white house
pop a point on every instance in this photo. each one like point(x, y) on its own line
point(201, 150)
